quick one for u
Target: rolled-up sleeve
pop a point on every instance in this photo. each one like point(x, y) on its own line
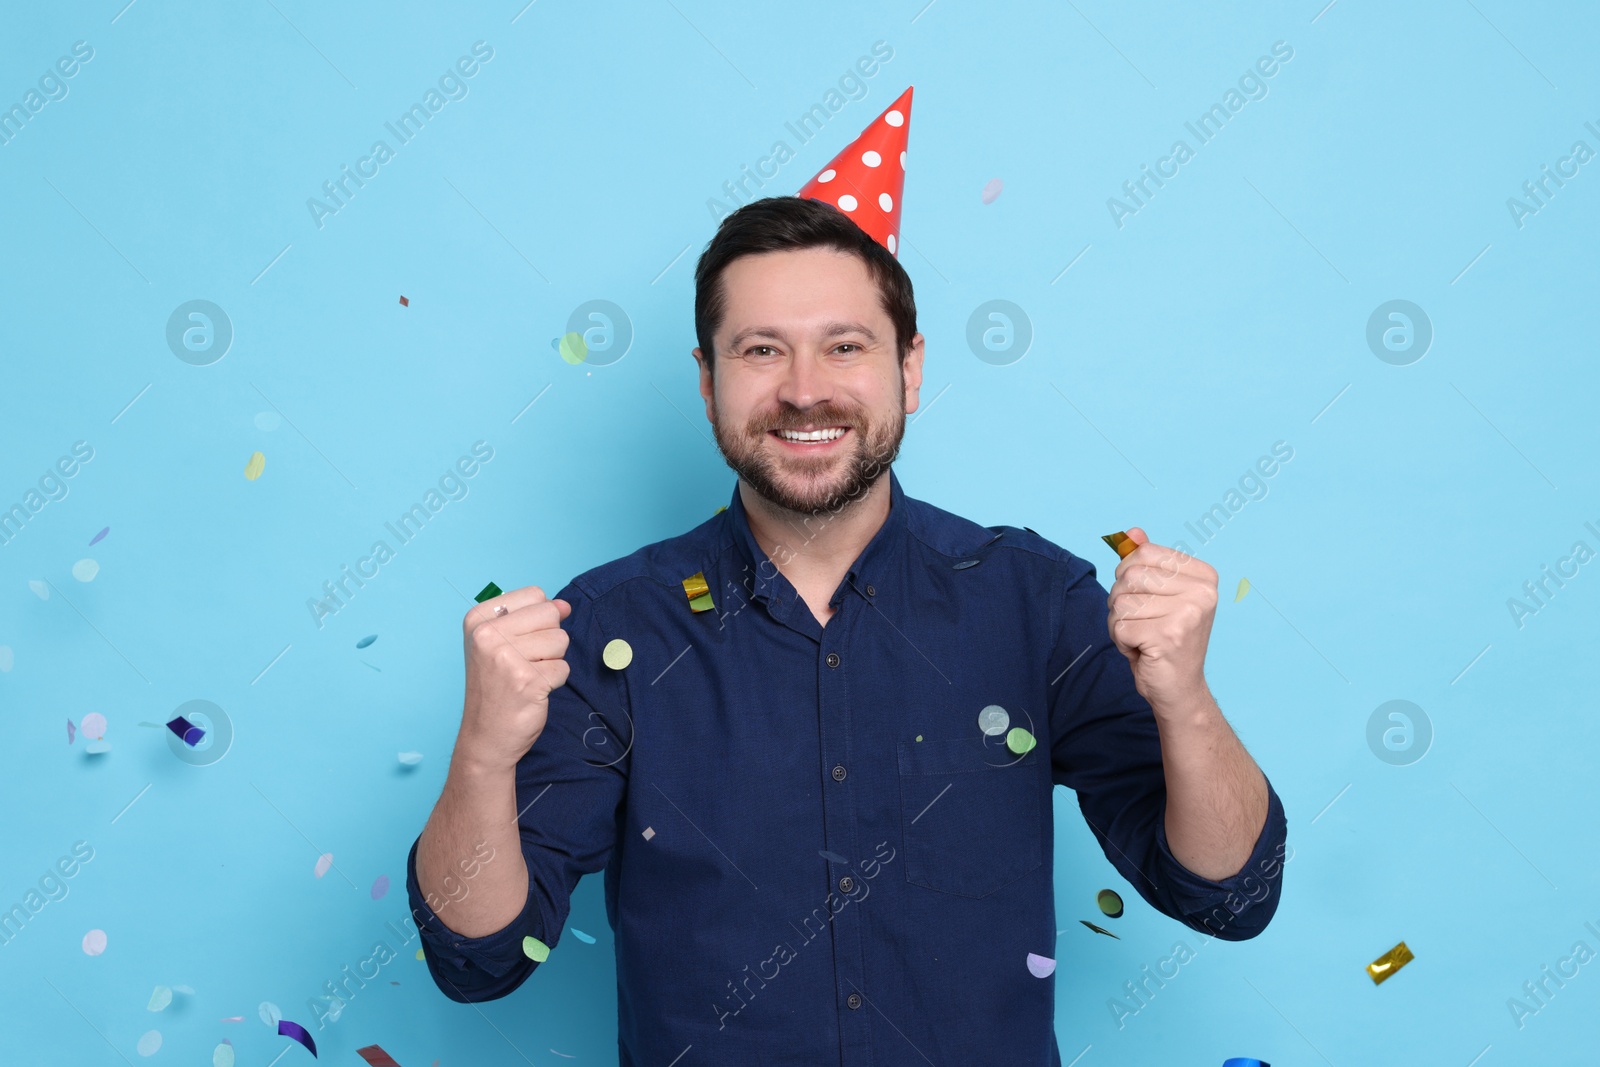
point(571, 786)
point(1105, 746)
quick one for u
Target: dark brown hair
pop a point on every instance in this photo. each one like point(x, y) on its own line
point(783, 223)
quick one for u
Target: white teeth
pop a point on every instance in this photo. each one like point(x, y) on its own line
point(813, 435)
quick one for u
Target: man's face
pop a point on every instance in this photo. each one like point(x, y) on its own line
point(806, 345)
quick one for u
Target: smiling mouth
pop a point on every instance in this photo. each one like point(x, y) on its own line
point(811, 441)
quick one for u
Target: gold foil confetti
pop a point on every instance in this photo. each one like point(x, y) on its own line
point(257, 464)
point(1388, 963)
point(1110, 903)
point(698, 592)
point(617, 654)
point(720, 510)
point(1121, 542)
point(1098, 929)
point(1244, 587)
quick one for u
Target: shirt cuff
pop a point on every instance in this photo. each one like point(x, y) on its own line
point(1239, 906)
point(450, 954)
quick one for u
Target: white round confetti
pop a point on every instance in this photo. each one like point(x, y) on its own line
point(902, 160)
point(40, 590)
point(827, 175)
point(222, 1055)
point(891, 243)
point(85, 569)
point(993, 720)
point(160, 997)
point(94, 942)
point(269, 1013)
point(894, 118)
point(886, 202)
point(847, 202)
point(149, 1043)
point(268, 420)
point(324, 861)
point(871, 158)
point(7, 658)
point(410, 759)
point(93, 725)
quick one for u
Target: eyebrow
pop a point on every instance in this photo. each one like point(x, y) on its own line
point(832, 329)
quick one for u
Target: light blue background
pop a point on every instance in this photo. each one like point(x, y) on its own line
point(1228, 314)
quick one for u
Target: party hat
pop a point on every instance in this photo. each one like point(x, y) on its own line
point(866, 179)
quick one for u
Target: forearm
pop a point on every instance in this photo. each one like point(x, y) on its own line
point(476, 812)
point(1216, 795)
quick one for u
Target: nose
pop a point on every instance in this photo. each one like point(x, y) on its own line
point(805, 383)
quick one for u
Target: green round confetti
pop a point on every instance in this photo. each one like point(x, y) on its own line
point(572, 348)
point(535, 950)
point(1110, 903)
point(919, 737)
point(617, 654)
point(1020, 741)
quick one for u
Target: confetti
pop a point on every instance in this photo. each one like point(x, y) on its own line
point(232, 1019)
point(832, 857)
point(1121, 542)
point(149, 1043)
point(1098, 929)
point(404, 302)
point(267, 421)
point(94, 942)
point(572, 348)
point(1110, 903)
point(581, 936)
point(98, 536)
point(617, 653)
point(269, 1013)
point(257, 464)
point(380, 886)
point(374, 1054)
point(993, 720)
point(698, 592)
point(420, 956)
point(648, 833)
point(71, 731)
point(40, 590)
point(185, 990)
point(919, 737)
point(324, 861)
point(1388, 963)
point(160, 997)
point(720, 510)
point(1244, 1061)
point(534, 949)
point(190, 734)
point(8, 658)
point(488, 591)
point(93, 725)
point(1020, 741)
point(1041, 966)
point(298, 1032)
point(85, 569)
point(410, 759)
point(222, 1055)
point(365, 641)
point(992, 190)
point(95, 748)
point(1244, 587)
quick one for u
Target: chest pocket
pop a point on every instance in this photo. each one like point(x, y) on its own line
point(969, 815)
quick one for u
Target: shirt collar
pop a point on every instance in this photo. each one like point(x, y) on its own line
point(770, 585)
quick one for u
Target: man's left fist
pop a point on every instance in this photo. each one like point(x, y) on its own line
point(1162, 603)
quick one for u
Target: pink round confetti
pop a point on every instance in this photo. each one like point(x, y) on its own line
point(94, 942)
point(1040, 966)
point(380, 887)
point(992, 190)
point(93, 725)
point(324, 861)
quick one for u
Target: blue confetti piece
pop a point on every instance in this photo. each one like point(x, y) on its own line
point(833, 856)
point(365, 641)
point(581, 936)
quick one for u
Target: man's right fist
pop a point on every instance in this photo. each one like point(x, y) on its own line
point(514, 661)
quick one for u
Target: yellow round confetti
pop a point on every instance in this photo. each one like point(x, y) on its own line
point(1110, 903)
point(919, 737)
point(1020, 741)
point(535, 950)
point(1244, 587)
point(617, 653)
point(573, 349)
point(257, 464)
point(420, 956)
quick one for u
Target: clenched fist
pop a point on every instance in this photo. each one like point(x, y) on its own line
point(514, 661)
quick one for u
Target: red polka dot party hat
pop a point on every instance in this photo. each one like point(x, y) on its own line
point(866, 179)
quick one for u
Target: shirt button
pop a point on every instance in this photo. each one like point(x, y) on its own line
point(854, 1000)
point(846, 884)
point(839, 773)
point(833, 659)
point(871, 591)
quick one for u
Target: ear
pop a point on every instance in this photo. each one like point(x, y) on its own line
point(912, 368)
point(706, 382)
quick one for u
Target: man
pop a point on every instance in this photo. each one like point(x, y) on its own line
point(823, 809)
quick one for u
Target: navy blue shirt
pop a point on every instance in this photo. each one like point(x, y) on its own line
point(815, 849)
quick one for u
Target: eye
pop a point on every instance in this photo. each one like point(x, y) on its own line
point(848, 344)
point(756, 349)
